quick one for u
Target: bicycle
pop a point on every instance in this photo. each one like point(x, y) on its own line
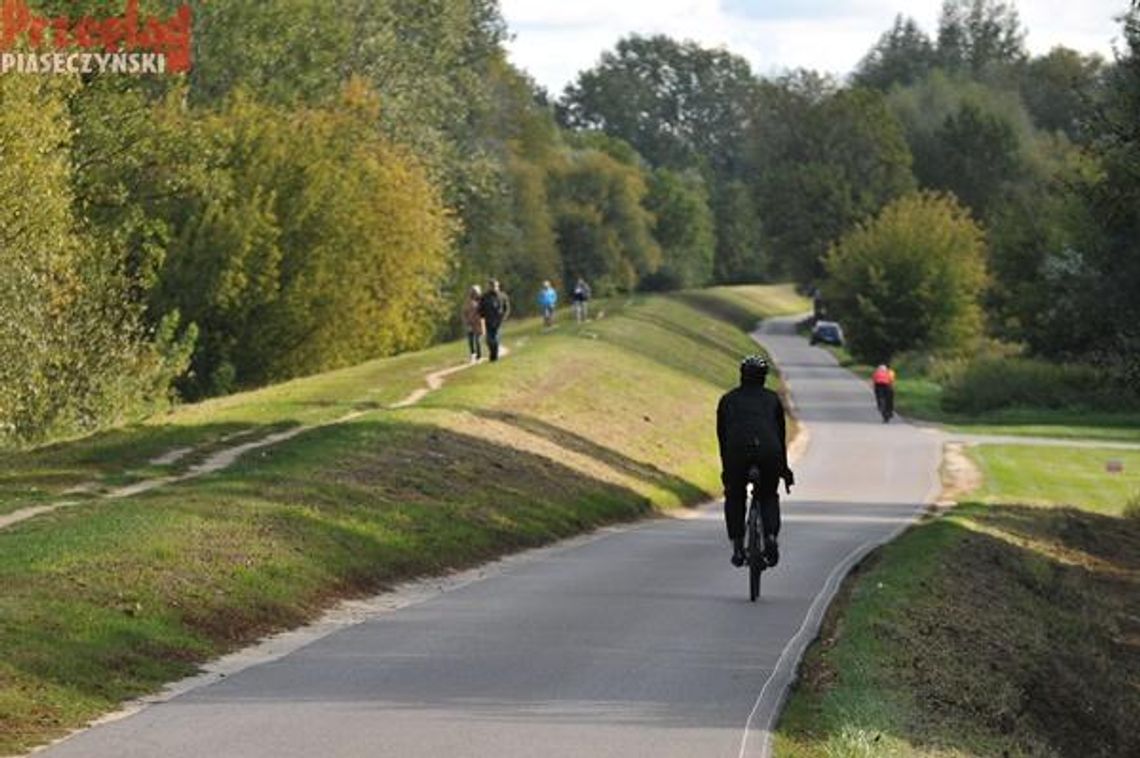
point(885, 401)
point(754, 547)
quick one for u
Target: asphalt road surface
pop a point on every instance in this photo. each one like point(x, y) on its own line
point(641, 642)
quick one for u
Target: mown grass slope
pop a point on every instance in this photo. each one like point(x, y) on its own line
point(579, 427)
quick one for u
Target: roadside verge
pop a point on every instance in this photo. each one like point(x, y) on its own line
point(993, 628)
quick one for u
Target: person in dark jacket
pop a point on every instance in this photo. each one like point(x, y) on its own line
point(494, 307)
point(750, 428)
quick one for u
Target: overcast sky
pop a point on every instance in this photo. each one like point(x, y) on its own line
point(555, 39)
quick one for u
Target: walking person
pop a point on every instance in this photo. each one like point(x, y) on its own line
point(580, 297)
point(473, 322)
point(494, 307)
point(547, 300)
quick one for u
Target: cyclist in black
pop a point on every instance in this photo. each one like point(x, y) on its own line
point(750, 429)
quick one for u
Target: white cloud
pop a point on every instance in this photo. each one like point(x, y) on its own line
point(555, 39)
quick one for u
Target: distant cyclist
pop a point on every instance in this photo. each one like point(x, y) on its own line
point(750, 429)
point(883, 378)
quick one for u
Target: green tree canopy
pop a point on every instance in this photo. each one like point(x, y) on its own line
point(903, 55)
point(966, 137)
point(680, 105)
point(310, 242)
point(76, 354)
point(1061, 90)
point(980, 36)
point(683, 228)
point(830, 162)
point(909, 279)
point(1116, 206)
point(604, 231)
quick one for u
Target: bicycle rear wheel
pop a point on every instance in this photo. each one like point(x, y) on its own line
point(755, 553)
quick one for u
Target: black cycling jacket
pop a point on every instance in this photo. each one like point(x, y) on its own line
point(750, 422)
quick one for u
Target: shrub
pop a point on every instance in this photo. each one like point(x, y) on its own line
point(989, 383)
point(909, 279)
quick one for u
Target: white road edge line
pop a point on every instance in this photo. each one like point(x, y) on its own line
point(797, 645)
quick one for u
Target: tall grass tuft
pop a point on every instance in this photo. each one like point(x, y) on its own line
point(1132, 507)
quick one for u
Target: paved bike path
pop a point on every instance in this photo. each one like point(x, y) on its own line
point(638, 642)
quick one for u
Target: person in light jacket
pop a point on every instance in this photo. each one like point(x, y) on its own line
point(547, 301)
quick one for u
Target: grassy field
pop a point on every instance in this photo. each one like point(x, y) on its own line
point(1006, 627)
point(1076, 477)
point(581, 426)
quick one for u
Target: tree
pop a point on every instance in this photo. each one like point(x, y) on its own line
point(741, 255)
point(829, 163)
point(436, 65)
point(680, 105)
point(975, 154)
point(509, 232)
point(909, 279)
point(1042, 241)
point(683, 228)
point(76, 354)
point(979, 36)
point(309, 242)
point(966, 137)
point(903, 55)
point(604, 231)
point(1061, 89)
point(1115, 202)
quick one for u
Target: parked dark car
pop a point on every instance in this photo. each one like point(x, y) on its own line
point(827, 332)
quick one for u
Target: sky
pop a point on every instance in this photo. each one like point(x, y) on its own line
point(555, 39)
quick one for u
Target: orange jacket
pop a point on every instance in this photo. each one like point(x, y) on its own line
point(884, 376)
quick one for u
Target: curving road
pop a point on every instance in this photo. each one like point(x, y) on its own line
point(640, 641)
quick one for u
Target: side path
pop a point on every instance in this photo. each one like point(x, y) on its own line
point(634, 641)
point(226, 457)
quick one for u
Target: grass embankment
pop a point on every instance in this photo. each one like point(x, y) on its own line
point(918, 396)
point(992, 630)
point(581, 426)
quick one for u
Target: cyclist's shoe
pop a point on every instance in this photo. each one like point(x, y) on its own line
point(771, 550)
point(738, 557)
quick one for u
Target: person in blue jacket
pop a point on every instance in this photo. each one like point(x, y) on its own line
point(547, 300)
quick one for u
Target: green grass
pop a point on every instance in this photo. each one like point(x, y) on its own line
point(1058, 476)
point(1066, 424)
point(738, 304)
point(996, 629)
point(36, 476)
point(31, 476)
point(580, 427)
